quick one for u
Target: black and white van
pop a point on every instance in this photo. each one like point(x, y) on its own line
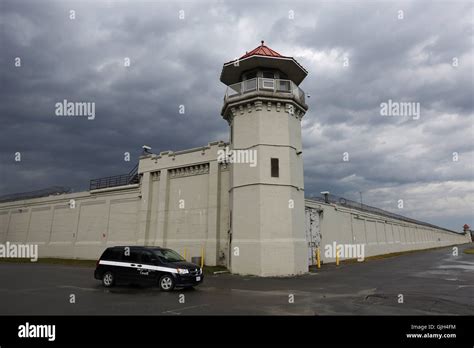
point(147, 265)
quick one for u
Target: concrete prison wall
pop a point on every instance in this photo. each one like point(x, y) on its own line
point(380, 234)
point(76, 225)
point(185, 206)
point(182, 201)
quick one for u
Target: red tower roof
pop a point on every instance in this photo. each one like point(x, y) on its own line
point(262, 50)
point(262, 57)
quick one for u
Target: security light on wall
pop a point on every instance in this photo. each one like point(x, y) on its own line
point(146, 149)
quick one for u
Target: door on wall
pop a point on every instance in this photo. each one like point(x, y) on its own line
point(313, 233)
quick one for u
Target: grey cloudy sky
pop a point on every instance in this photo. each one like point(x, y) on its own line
point(178, 61)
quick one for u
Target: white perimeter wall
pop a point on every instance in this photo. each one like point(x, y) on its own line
point(180, 207)
point(381, 235)
point(82, 229)
point(125, 217)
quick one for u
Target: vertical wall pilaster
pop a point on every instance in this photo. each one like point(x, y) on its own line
point(211, 256)
point(75, 229)
point(145, 209)
point(8, 225)
point(163, 200)
point(107, 230)
point(53, 211)
point(30, 212)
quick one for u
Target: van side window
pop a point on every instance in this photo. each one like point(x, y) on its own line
point(160, 255)
point(134, 256)
point(111, 254)
point(146, 257)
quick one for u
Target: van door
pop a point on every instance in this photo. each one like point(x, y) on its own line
point(147, 267)
point(131, 261)
point(111, 260)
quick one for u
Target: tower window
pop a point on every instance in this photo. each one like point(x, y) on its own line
point(268, 74)
point(249, 75)
point(275, 168)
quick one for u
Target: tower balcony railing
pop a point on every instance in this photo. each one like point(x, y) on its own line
point(264, 85)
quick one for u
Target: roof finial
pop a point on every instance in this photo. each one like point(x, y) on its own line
point(262, 42)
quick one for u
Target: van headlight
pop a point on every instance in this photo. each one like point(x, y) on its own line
point(182, 271)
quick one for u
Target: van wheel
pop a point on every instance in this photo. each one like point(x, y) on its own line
point(166, 283)
point(108, 279)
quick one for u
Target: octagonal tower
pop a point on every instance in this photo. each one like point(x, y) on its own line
point(263, 106)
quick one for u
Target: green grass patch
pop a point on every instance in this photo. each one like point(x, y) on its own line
point(211, 269)
point(52, 261)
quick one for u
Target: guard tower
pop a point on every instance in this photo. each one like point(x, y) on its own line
point(263, 106)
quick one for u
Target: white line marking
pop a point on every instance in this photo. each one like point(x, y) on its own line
point(175, 311)
point(77, 287)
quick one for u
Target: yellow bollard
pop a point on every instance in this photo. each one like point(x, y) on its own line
point(202, 257)
point(337, 255)
point(185, 253)
point(318, 258)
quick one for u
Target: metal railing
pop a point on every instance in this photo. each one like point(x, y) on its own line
point(264, 85)
point(116, 180)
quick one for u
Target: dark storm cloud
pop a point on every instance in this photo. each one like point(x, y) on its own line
point(177, 62)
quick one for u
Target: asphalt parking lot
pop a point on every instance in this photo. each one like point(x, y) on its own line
point(432, 282)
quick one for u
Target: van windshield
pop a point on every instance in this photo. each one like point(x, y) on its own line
point(169, 255)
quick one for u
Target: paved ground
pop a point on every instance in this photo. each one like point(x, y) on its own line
point(431, 282)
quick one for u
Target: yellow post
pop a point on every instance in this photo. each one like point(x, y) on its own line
point(202, 257)
point(318, 258)
point(337, 255)
point(185, 253)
